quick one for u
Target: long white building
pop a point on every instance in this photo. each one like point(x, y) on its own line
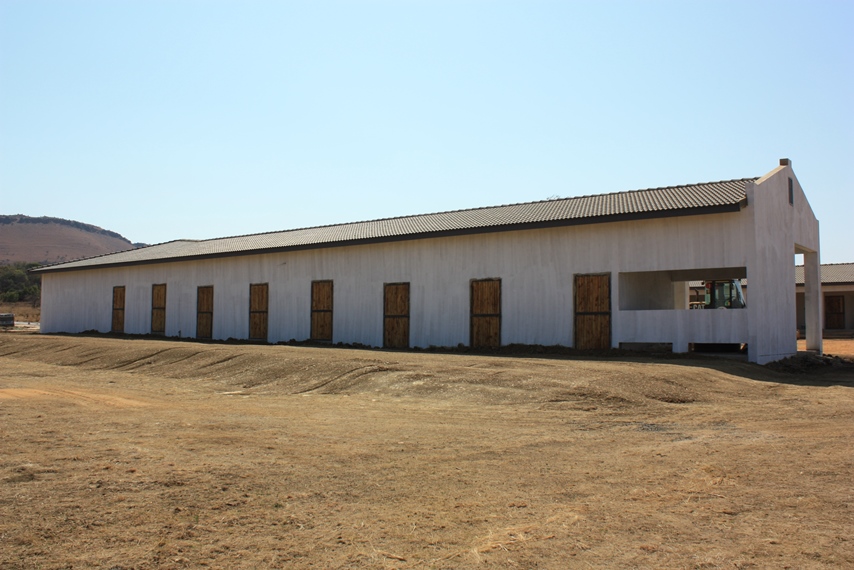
point(599, 271)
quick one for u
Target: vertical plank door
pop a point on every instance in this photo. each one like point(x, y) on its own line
point(118, 324)
point(258, 302)
point(204, 312)
point(396, 315)
point(321, 310)
point(593, 312)
point(485, 330)
point(158, 309)
point(834, 312)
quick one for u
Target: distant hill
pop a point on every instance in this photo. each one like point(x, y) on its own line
point(52, 240)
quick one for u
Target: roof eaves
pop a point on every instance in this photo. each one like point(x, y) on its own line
point(50, 266)
point(330, 242)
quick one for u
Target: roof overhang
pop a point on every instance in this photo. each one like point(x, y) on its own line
point(626, 217)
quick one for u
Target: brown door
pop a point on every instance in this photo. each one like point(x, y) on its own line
point(834, 312)
point(118, 325)
point(258, 301)
point(321, 310)
point(396, 315)
point(158, 309)
point(485, 313)
point(204, 312)
point(593, 312)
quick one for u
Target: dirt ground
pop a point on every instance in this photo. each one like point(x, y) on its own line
point(138, 453)
point(838, 347)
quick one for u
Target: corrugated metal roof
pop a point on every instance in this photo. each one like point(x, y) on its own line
point(655, 202)
point(831, 273)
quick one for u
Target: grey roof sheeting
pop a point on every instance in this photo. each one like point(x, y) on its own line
point(831, 273)
point(710, 197)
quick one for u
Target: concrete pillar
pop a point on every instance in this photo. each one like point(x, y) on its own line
point(812, 300)
point(681, 295)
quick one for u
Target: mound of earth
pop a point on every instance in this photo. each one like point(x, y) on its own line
point(622, 380)
point(810, 362)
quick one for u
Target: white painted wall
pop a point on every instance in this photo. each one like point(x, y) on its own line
point(779, 228)
point(684, 327)
point(536, 268)
point(646, 291)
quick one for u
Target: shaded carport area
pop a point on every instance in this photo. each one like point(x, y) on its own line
point(655, 309)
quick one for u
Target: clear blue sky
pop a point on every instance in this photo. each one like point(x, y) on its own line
point(195, 119)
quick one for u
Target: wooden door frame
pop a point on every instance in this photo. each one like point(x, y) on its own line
point(826, 313)
point(266, 312)
point(397, 316)
point(330, 310)
point(198, 312)
point(120, 309)
point(473, 315)
point(576, 314)
point(163, 308)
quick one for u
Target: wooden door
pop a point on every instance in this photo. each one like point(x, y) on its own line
point(204, 312)
point(834, 312)
point(321, 310)
point(593, 312)
point(118, 324)
point(396, 315)
point(258, 302)
point(485, 329)
point(158, 309)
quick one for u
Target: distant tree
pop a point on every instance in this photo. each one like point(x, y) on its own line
point(17, 284)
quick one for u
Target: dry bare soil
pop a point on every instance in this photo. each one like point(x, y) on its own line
point(120, 453)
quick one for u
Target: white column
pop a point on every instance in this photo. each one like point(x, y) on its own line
point(812, 300)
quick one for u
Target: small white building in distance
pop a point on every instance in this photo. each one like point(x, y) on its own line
point(837, 287)
point(590, 272)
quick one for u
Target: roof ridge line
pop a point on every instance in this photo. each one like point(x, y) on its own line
point(475, 209)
